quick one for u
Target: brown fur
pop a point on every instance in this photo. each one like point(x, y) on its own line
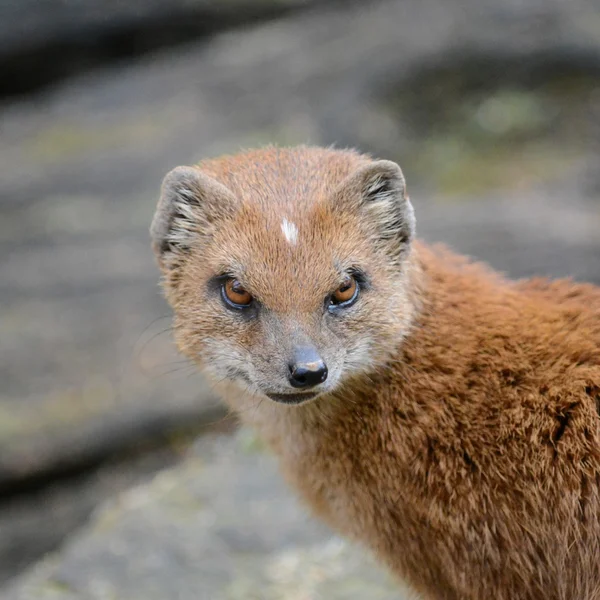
point(466, 450)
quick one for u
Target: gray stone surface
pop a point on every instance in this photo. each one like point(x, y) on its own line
point(34, 523)
point(220, 527)
point(42, 41)
point(26, 24)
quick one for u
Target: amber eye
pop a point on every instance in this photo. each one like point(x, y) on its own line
point(235, 295)
point(346, 294)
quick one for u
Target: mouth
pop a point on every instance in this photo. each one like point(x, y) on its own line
point(292, 398)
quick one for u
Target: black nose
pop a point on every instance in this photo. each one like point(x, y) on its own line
point(307, 369)
point(308, 375)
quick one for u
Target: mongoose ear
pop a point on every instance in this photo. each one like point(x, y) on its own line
point(380, 190)
point(190, 204)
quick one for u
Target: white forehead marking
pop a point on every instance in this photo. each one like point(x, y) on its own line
point(290, 231)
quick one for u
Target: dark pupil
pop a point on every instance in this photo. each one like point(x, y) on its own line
point(345, 287)
point(236, 288)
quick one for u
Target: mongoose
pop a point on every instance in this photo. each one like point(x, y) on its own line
point(419, 402)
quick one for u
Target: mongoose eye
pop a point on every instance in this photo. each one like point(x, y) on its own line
point(346, 294)
point(235, 295)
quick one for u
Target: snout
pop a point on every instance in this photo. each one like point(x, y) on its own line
point(306, 369)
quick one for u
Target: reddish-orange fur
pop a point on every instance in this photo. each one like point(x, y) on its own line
point(468, 457)
point(475, 468)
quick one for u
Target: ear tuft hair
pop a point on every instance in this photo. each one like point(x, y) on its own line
point(383, 179)
point(190, 204)
point(380, 189)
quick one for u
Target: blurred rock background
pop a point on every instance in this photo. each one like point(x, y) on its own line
point(491, 107)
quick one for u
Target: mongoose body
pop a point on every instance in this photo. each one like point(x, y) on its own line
point(420, 403)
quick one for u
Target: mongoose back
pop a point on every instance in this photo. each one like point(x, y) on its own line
point(419, 402)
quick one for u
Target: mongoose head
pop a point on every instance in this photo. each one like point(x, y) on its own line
point(288, 269)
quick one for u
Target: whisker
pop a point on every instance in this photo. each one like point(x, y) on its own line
point(150, 325)
point(257, 407)
point(154, 375)
point(137, 354)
